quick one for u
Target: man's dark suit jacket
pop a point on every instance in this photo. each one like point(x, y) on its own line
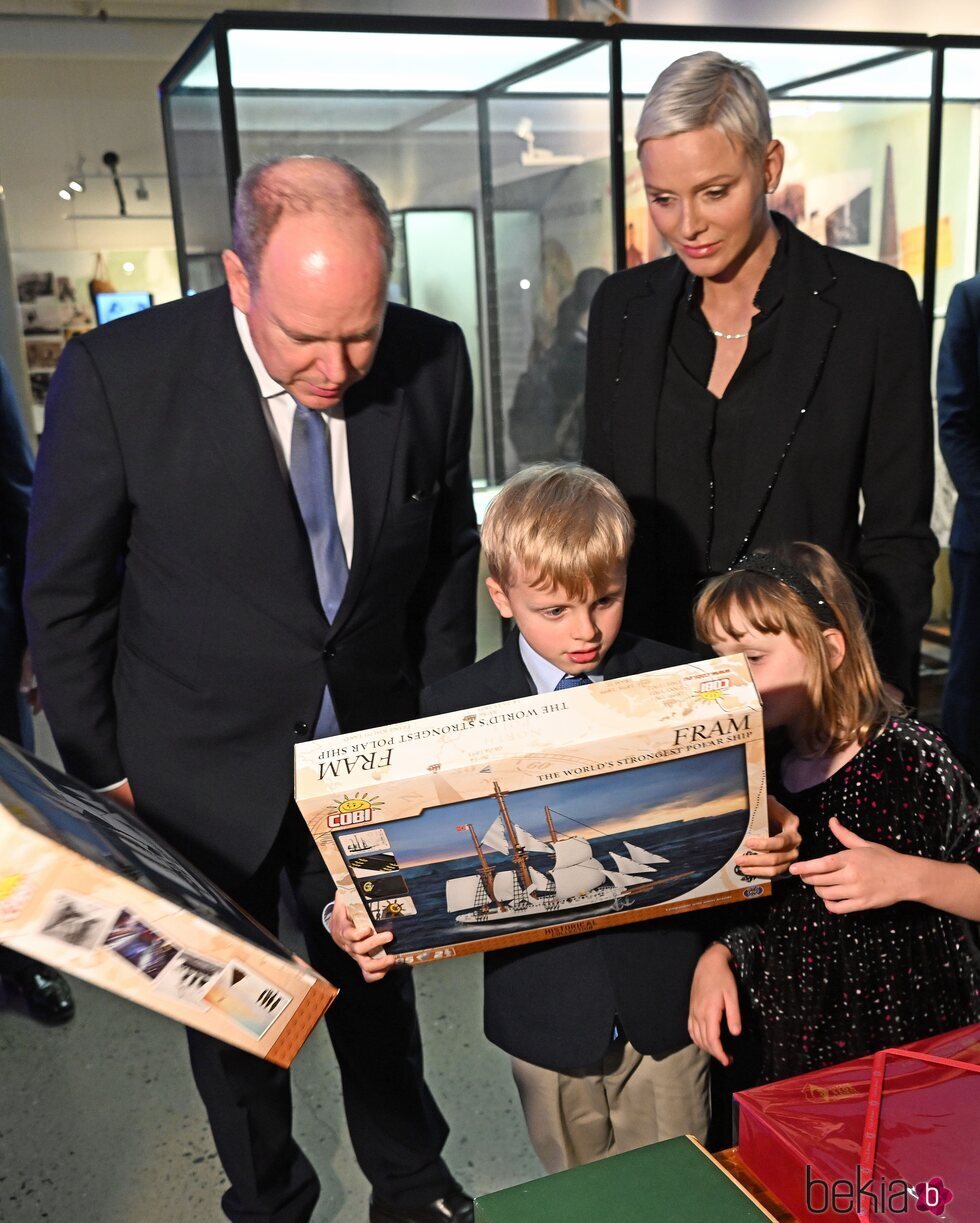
point(172, 604)
point(958, 392)
point(850, 416)
point(16, 467)
point(554, 1004)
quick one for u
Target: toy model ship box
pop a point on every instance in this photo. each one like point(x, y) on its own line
point(86, 887)
point(884, 1139)
point(545, 816)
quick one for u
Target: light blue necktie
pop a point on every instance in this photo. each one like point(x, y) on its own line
point(311, 472)
point(571, 681)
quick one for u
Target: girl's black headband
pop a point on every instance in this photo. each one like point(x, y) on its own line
point(774, 567)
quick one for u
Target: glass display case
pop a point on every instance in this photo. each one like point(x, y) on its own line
point(505, 152)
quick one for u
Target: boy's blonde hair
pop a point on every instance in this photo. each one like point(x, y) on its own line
point(846, 704)
point(557, 525)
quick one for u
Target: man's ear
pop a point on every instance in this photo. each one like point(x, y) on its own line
point(500, 600)
point(238, 283)
point(836, 647)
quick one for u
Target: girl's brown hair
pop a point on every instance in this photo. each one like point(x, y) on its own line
point(847, 703)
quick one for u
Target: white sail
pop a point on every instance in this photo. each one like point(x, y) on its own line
point(504, 886)
point(495, 837)
point(642, 855)
point(571, 852)
point(628, 867)
point(541, 882)
point(462, 893)
point(619, 880)
point(528, 841)
point(578, 879)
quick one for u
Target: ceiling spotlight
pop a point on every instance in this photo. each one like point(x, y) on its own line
point(75, 185)
point(65, 193)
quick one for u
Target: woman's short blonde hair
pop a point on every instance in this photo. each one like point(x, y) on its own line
point(708, 90)
point(557, 525)
point(847, 703)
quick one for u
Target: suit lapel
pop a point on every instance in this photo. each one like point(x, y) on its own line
point(639, 376)
point(806, 329)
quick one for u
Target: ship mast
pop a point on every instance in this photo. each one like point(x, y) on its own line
point(517, 851)
point(551, 825)
point(486, 873)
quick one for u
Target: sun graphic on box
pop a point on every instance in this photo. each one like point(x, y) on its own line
point(357, 803)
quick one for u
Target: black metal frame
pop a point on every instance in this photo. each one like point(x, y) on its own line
point(588, 35)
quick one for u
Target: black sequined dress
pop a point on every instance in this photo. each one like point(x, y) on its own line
point(825, 987)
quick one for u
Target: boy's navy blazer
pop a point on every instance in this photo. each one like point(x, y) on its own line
point(555, 1003)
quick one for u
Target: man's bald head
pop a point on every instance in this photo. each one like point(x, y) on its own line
point(293, 186)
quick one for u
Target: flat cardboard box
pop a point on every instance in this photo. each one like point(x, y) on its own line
point(545, 816)
point(86, 887)
point(672, 1180)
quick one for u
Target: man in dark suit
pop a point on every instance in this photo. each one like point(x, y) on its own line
point(45, 991)
point(958, 392)
point(253, 525)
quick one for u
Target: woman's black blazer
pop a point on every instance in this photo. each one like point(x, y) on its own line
point(846, 460)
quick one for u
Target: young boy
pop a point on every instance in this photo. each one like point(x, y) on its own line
point(595, 1024)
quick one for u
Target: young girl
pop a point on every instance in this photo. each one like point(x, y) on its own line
point(870, 944)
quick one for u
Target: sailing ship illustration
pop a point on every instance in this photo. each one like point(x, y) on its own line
point(576, 879)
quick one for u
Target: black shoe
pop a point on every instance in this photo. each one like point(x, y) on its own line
point(455, 1207)
point(45, 991)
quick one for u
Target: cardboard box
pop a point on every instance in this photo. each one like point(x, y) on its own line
point(86, 887)
point(672, 1180)
point(545, 816)
point(891, 1137)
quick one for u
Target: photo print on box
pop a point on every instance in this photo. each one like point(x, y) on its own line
point(564, 850)
point(247, 998)
point(187, 976)
point(77, 921)
point(389, 910)
point(366, 841)
point(363, 866)
point(141, 946)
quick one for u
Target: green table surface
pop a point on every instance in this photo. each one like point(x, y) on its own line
point(674, 1181)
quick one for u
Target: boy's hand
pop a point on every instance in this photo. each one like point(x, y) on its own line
point(863, 875)
point(363, 946)
point(714, 994)
point(772, 855)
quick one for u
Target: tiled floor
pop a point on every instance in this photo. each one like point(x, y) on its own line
point(100, 1121)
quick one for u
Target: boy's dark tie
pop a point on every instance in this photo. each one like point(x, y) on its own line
point(571, 681)
point(311, 472)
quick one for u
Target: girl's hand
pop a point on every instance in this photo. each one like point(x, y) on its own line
point(363, 946)
point(864, 875)
point(772, 855)
point(714, 994)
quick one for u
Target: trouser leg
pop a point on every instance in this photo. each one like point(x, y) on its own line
point(652, 1099)
point(249, 1104)
point(395, 1125)
point(250, 1110)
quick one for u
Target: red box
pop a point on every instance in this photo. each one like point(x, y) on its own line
point(891, 1137)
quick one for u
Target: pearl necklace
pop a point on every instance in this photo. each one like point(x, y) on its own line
point(729, 335)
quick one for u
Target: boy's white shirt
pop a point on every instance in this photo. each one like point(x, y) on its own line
point(545, 675)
